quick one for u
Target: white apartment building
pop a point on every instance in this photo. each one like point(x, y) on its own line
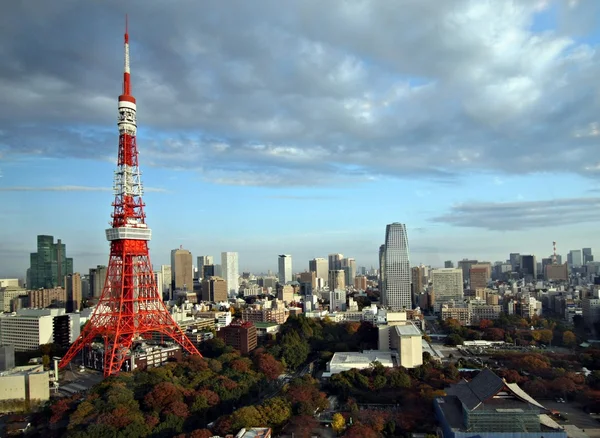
point(230, 271)
point(7, 294)
point(447, 286)
point(29, 328)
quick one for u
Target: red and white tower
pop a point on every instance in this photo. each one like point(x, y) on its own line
point(130, 308)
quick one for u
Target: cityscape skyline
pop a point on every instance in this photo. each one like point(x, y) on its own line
point(358, 121)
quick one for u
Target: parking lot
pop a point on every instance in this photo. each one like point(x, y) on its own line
point(575, 415)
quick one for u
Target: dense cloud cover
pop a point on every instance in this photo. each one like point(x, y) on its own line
point(253, 93)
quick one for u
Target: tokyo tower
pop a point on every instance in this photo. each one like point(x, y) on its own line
point(129, 308)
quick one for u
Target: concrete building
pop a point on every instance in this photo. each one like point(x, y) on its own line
point(349, 268)
point(41, 298)
point(346, 361)
point(285, 269)
point(182, 273)
point(241, 336)
point(285, 293)
point(230, 271)
point(447, 286)
point(142, 356)
point(214, 289)
point(97, 278)
point(27, 383)
point(266, 328)
point(167, 277)
point(73, 292)
point(7, 295)
point(337, 280)
point(201, 262)
point(480, 275)
point(465, 266)
point(320, 267)
point(396, 293)
point(309, 277)
point(278, 316)
point(448, 264)
point(590, 307)
point(29, 328)
point(9, 282)
point(460, 313)
point(529, 267)
point(360, 282)
point(489, 407)
point(575, 258)
point(335, 262)
point(406, 339)
point(557, 272)
point(337, 300)
point(7, 357)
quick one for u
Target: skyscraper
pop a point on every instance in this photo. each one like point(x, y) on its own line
point(349, 267)
point(320, 267)
point(448, 264)
point(529, 266)
point(182, 275)
point(97, 280)
point(587, 255)
point(230, 271)
point(203, 261)
point(285, 269)
point(73, 292)
point(396, 270)
point(335, 261)
point(337, 279)
point(49, 265)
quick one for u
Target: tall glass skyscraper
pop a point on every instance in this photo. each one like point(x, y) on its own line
point(396, 269)
point(230, 271)
point(49, 265)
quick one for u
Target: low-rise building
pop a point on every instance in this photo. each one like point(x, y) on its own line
point(28, 383)
point(341, 362)
point(142, 356)
point(278, 316)
point(488, 407)
point(266, 328)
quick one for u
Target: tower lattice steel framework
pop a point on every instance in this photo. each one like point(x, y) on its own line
point(129, 308)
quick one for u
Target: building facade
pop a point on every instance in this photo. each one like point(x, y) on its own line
point(230, 271)
point(241, 336)
point(214, 289)
point(49, 265)
point(182, 272)
point(73, 292)
point(285, 269)
point(396, 292)
point(320, 267)
point(447, 286)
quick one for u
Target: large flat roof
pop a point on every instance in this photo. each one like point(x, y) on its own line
point(407, 330)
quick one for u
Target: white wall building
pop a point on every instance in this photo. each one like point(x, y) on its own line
point(447, 286)
point(341, 362)
point(406, 339)
point(5, 282)
point(230, 271)
point(29, 328)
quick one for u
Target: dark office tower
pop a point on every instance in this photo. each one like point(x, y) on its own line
point(465, 265)
point(515, 260)
point(208, 271)
point(587, 255)
point(448, 264)
point(529, 266)
point(396, 272)
point(335, 262)
point(73, 292)
point(49, 265)
point(381, 269)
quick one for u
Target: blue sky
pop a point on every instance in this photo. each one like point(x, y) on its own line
point(306, 131)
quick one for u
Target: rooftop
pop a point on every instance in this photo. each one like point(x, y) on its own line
point(254, 432)
point(407, 330)
point(265, 324)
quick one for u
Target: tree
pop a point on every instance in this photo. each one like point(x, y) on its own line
point(201, 433)
point(399, 379)
point(569, 339)
point(338, 423)
point(248, 416)
point(294, 350)
point(454, 339)
point(269, 366)
point(276, 411)
point(546, 336)
point(360, 431)
point(563, 385)
point(485, 323)
point(379, 382)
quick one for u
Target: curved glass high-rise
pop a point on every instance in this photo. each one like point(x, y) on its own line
point(396, 269)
